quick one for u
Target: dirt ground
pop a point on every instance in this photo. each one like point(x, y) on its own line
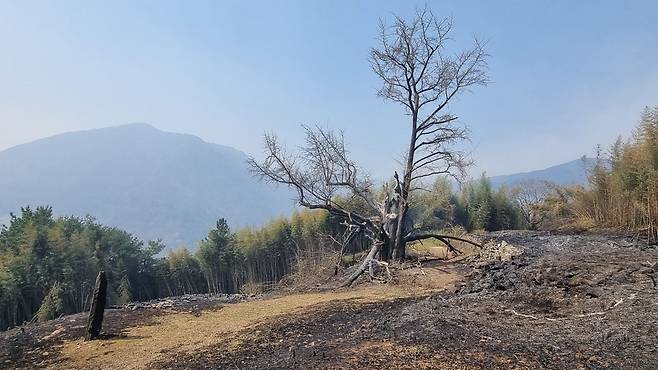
point(569, 301)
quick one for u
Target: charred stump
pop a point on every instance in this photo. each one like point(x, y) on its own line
point(97, 307)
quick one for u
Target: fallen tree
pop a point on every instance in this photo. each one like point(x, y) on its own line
point(418, 73)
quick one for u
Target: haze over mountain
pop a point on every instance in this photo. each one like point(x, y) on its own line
point(158, 184)
point(152, 183)
point(569, 173)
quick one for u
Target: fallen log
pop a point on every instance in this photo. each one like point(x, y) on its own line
point(363, 266)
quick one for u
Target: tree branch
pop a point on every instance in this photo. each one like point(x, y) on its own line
point(422, 236)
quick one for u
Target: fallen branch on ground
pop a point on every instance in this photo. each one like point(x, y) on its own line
point(513, 312)
point(600, 313)
point(420, 267)
point(364, 264)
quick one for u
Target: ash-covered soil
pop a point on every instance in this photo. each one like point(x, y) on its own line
point(568, 301)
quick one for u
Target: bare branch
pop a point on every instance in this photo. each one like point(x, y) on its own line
point(418, 71)
point(443, 238)
point(320, 172)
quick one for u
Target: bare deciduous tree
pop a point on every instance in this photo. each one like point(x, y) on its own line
point(421, 75)
point(529, 196)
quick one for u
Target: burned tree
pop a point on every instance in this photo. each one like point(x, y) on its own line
point(95, 321)
point(418, 73)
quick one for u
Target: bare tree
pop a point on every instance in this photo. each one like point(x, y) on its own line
point(421, 75)
point(529, 196)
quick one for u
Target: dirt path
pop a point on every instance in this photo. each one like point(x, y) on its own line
point(182, 332)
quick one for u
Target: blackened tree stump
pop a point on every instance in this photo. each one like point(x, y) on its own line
point(97, 307)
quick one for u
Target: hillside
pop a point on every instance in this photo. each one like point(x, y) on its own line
point(484, 311)
point(152, 183)
point(569, 173)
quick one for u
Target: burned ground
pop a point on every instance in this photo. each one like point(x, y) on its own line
point(38, 345)
point(35, 345)
point(568, 301)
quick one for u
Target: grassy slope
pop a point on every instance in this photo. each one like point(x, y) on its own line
point(139, 346)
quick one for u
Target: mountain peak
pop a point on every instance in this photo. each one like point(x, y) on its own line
point(152, 183)
point(568, 173)
point(136, 125)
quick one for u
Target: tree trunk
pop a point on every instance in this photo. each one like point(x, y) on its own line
point(390, 227)
point(97, 307)
point(399, 250)
point(399, 245)
point(364, 264)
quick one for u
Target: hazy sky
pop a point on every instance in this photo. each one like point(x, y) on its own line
point(567, 75)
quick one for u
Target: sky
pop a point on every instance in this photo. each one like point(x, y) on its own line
point(566, 75)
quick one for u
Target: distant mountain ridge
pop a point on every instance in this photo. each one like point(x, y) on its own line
point(157, 184)
point(152, 183)
point(569, 173)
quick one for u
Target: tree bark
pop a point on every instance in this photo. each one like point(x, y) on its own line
point(390, 224)
point(97, 307)
point(364, 264)
point(399, 244)
point(399, 251)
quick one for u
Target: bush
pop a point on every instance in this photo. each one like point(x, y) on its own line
point(53, 304)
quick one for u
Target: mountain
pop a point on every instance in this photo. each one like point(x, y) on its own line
point(152, 183)
point(570, 173)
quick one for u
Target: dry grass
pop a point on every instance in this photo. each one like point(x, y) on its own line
point(434, 275)
point(312, 271)
point(180, 332)
point(184, 332)
point(432, 249)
